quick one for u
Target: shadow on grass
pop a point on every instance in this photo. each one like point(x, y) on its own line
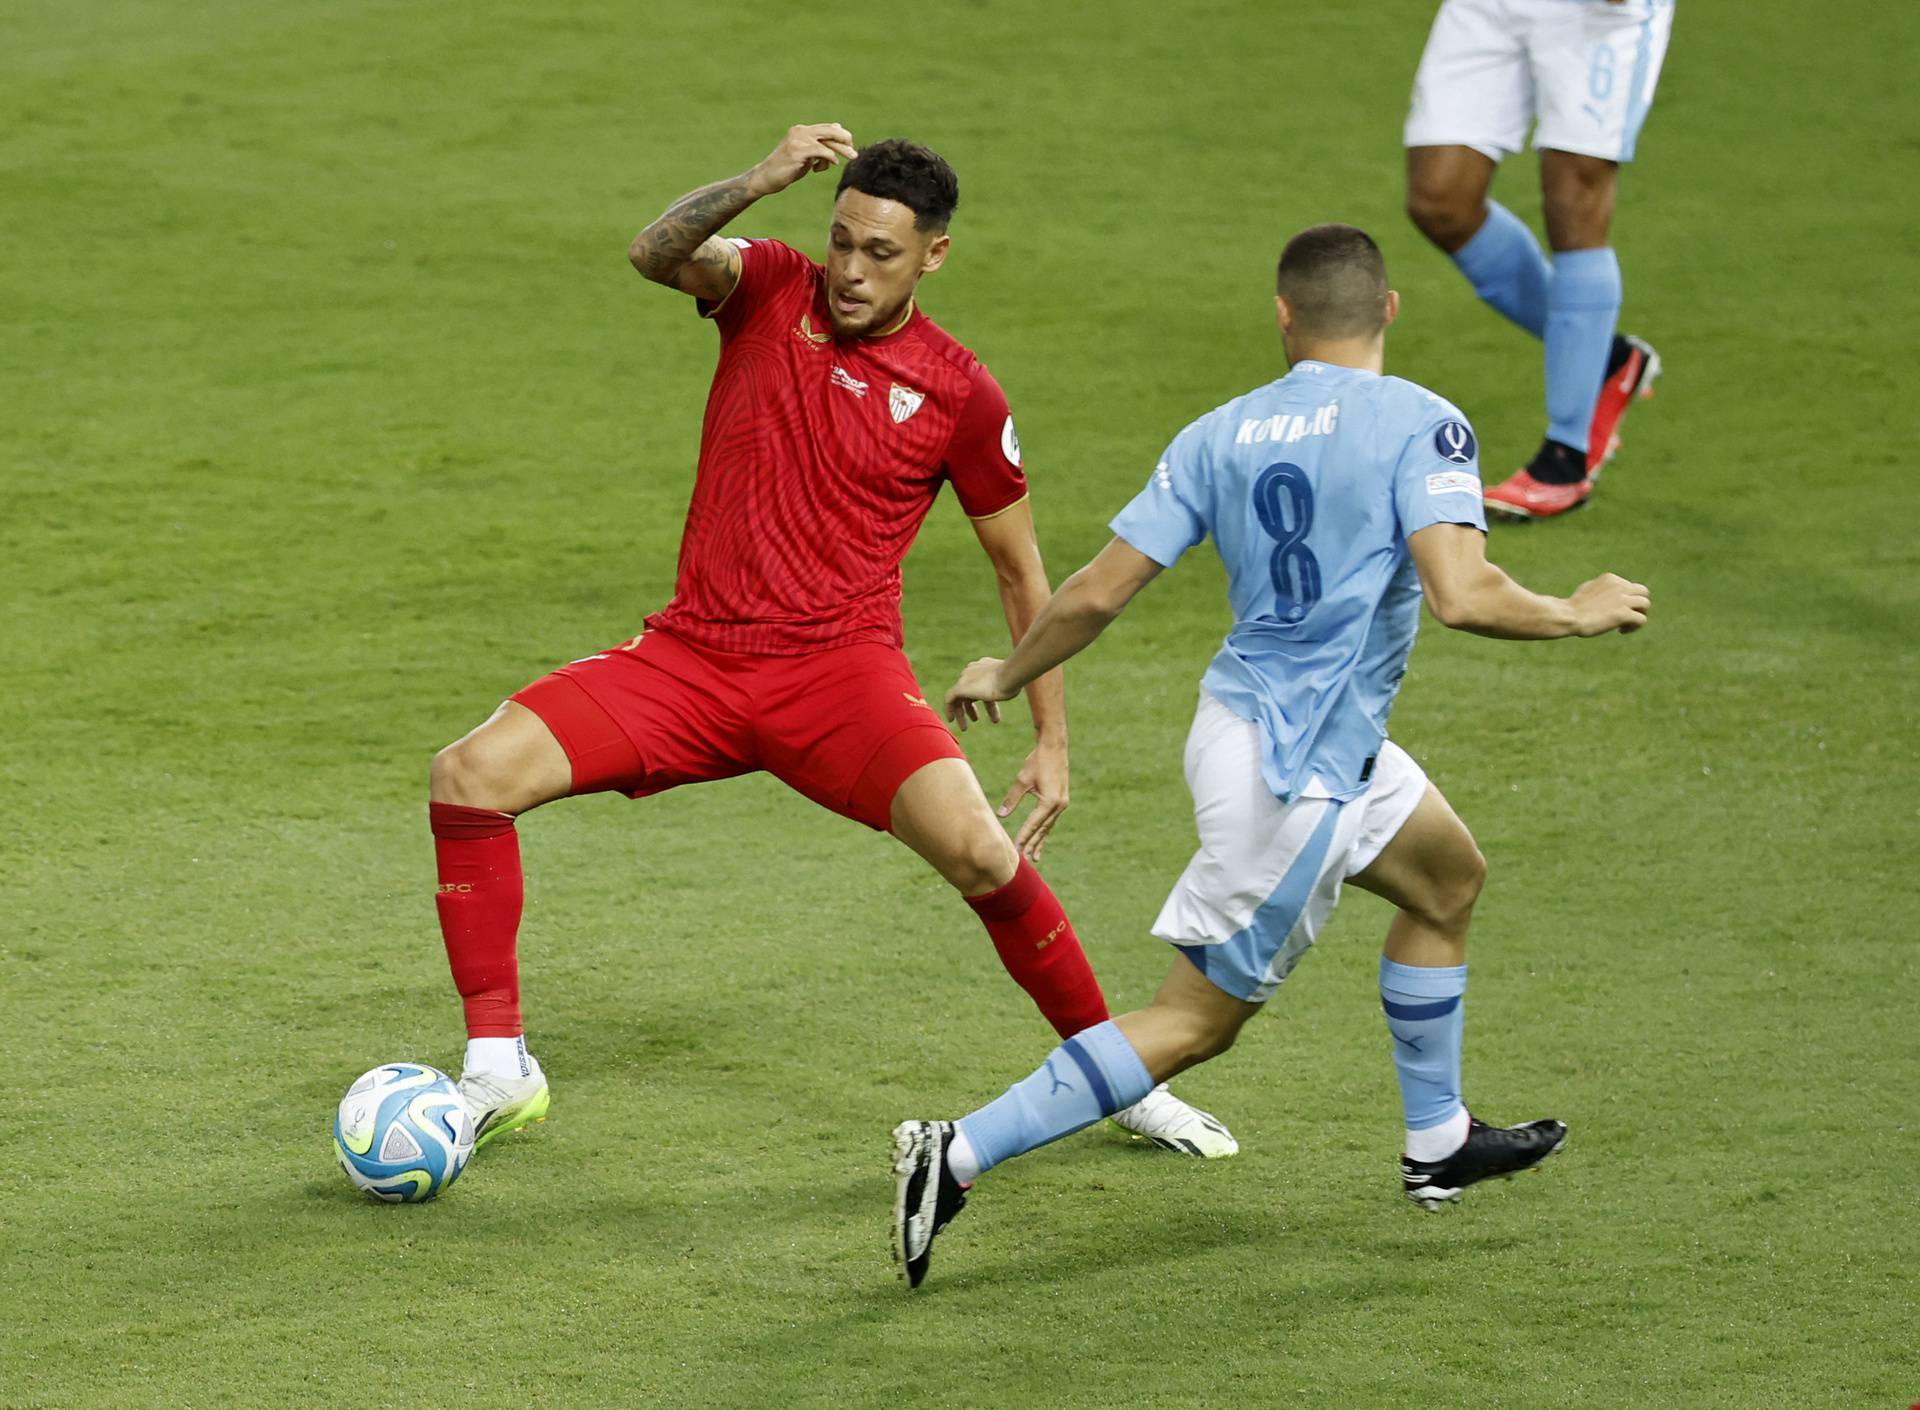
point(523, 1190)
point(1196, 1254)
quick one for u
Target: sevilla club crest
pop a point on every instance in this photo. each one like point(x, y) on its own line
point(903, 401)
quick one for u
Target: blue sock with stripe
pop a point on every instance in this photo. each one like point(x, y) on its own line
point(1093, 1074)
point(1426, 1014)
point(1582, 309)
point(1508, 269)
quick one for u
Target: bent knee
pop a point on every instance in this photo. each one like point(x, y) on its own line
point(455, 775)
point(1470, 882)
point(1449, 904)
point(1215, 1040)
point(977, 856)
point(1200, 1037)
point(474, 773)
point(1209, 1041)
point(1446, 215)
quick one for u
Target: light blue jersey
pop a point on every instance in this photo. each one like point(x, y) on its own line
point(1311, 486)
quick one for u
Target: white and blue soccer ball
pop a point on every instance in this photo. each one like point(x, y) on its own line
point(402, 1133)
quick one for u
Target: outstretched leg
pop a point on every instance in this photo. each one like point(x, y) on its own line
point(941, 813)
point(1092, 1074)
point(1098, 1072)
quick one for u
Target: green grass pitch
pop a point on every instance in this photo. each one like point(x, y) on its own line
point(330, 413)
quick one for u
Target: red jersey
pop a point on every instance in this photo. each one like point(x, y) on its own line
point(819, 458)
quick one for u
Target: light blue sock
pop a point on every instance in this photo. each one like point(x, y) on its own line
point(1508, 269)
point(1426, 1013)
point(1093, 1074)
point(1582, 308)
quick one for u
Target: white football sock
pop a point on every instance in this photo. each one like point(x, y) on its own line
point(498, 1057)
point(1439, 1142)
point(961, 1159)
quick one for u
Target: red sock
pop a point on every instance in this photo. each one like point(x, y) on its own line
point(1037, 945)
point(478, 853)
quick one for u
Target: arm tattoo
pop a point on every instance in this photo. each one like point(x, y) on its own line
point(660, 249)
point(708, 256)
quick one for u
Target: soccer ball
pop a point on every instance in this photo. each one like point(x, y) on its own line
point(402, 1133)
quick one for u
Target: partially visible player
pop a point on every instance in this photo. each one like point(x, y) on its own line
point(1335, 497)
point(838, 411)
point(1581, 74)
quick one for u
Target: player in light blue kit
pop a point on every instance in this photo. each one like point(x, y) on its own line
point(1335, 496)
point(1581, 74)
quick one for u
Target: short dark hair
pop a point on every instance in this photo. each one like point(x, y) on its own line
point(915, 176)
point(1335, 281)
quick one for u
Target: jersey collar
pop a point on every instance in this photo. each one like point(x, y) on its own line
point(1314, 365)
point(907, 319)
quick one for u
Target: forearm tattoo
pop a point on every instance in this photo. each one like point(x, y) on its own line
point(671, 240)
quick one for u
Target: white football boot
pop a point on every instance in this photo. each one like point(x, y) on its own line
point(501, 1104)
point(1172, 1125)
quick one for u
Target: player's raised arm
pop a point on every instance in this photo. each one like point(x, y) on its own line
point(1468, 593)
point(680, 249)
point(1067, 625)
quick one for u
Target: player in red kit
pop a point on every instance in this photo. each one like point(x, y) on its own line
point(838, 409)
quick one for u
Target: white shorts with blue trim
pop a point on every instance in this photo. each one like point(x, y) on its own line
point(1586, 69)
point(1268, 873)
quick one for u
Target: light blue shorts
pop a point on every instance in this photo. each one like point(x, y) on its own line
point(1268, 874)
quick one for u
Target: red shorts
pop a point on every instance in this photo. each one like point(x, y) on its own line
point(844, 726)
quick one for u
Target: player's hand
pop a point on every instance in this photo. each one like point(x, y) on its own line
point(1044, 775)
point(978, 685)
point(1610, 603)
point(813, 146)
